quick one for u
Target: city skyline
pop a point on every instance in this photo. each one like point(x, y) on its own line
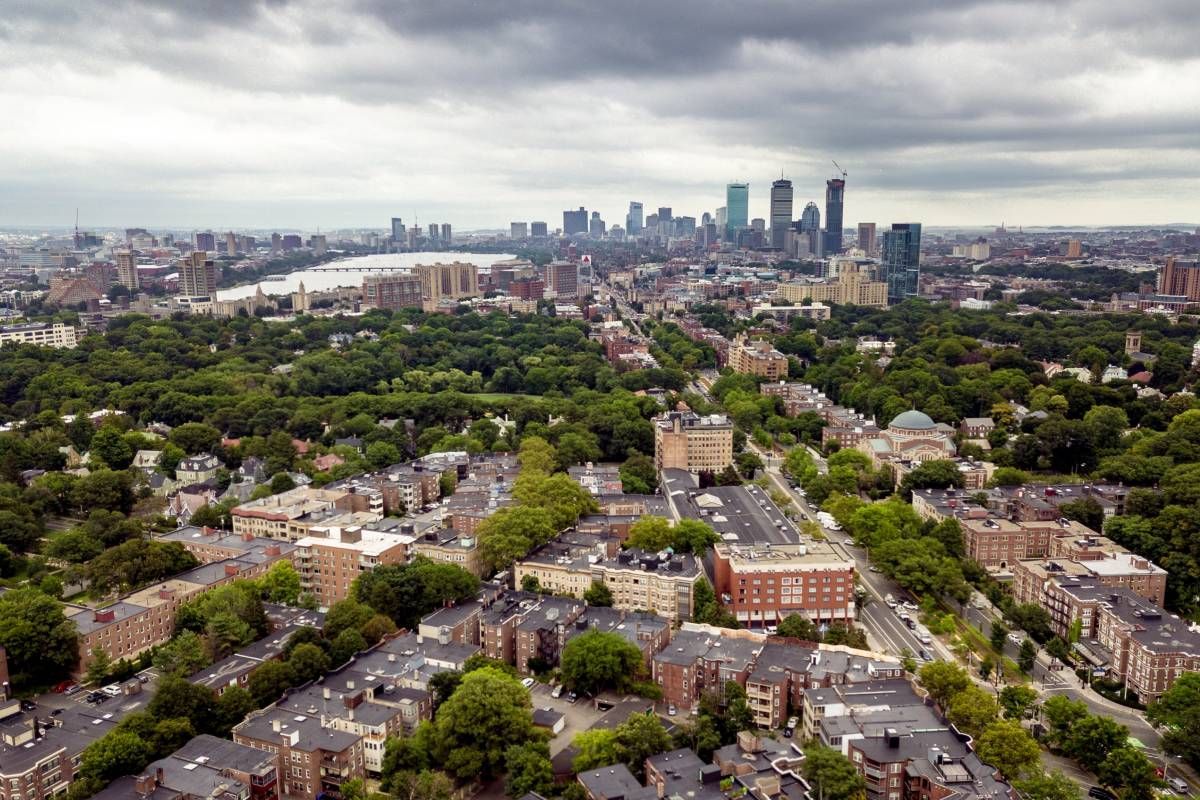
point(330, 115)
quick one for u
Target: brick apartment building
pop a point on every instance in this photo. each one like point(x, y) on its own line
point(763, 584)
point(685, 440)
point(313, 760)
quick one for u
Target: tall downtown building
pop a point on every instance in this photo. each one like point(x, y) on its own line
point(737, 209)
point(633, 220)
point(900, 257)
point(835, 191)
point(781, 211)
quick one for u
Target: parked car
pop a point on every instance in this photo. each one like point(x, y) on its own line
point(872, 568)
point(572, 697)
point(1016, 638)
point(56, 712)
point(890, 601)
point(671, 710)
point(924, 655)
point(558, 690)
point(28, 705)
point(1180, 786)
point(73, 688)
point(112, 690)
point(1100, 793)
point(527, 683)
point(787, 732)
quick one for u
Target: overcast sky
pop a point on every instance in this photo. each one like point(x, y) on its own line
point(338, 113)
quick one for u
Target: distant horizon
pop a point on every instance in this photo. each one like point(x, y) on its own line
point(242, 228)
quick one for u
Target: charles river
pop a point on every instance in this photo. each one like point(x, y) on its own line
point(322, 277)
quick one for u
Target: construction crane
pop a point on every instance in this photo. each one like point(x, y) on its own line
point(839, 169)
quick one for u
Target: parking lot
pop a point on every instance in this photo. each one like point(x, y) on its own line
point(578, 716)
point(110, 707)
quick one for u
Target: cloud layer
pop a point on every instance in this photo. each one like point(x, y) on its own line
point(318, 112)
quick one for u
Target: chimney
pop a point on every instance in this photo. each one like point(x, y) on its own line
point(104, 615)
point(272, 550)
point(247, 537)
point(158, 776)
point(231, 570)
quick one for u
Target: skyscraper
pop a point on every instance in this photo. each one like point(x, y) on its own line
point(575, 221)
point(866, 237)
point(447, 233)
point(737, 209)
point(127, 274)
point(198, 276)
point(596, 226)
point(231, 244)
point(835, 190)
point(398, 230)
point(537, 229)
point(901, 260)
point(781, 211)
point(664, 214)
point(518, 230)
point(633, 220)
point(206, 241)
point(433, 230)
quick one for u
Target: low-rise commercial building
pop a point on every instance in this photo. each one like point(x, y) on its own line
point(41, 334)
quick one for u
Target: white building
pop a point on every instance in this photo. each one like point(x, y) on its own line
point(43, 334)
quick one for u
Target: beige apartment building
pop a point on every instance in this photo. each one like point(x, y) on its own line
point(331, 557)
point(288, 515)
point(852, 286)
point(685, 440)
point(758, 358)
point(447, 281)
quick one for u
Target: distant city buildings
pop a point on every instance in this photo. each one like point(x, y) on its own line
point(781, 211)
point(575, 221)
point(835, 191)
point(866, 237)
point(901, 257)
point(41, 334)
point(737, 209)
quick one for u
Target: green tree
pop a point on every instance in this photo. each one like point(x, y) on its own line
point(1092, 738)
point(998, 635)
point(598, 594)
point(799, 626)
point(307, 662)
point(40, 642)
point(529, 769)
point(530, 583)
point(382, 454)
point(110, 449)
point(1008, 747)
point(183, 655)
point(100, 667)
point(1129, 773)
point(346, 645)
point(598, 660)
point(1027, 656)
point(281, 583)
point(558, 494)
point(831, 774)
point(943, 680)
point(488, 713)
point(651, 533)
point(1060, 714)
point(638, 475)
point(194, 438)
point(114, 754)
point(233, 706)
point(972, 709)
point(511, 533)
point(1178, 711)
point(596, 748)
point(176, 697)
point(76, 546)
point(268, 682)
point(348, 614)
point(1048, 786)
point(1016, 700)
point(537, 455)
point(640, 737)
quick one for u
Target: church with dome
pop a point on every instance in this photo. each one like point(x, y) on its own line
point(911, 437)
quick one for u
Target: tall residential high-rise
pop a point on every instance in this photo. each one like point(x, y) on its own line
point(596, 226)
point(127, 274)
point(198, 276)
point(633, 220)
point(720, 217)
point(397, 230)
point(664, 214)
point(231, 243)
point(835, 192)
point(537, 229)
point(433, 230)
point(901, 260)
point(518, 230)
point(562, 279)
point(318, 244)
point(781, 211)
point(447, 233)
point(206, 241)
point(276, 244)
point(447, 281)
point(391, 290)
point(737, 209)
point(575, 221)
point(810, 226)
point(866, 237)
point(1180, 277)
